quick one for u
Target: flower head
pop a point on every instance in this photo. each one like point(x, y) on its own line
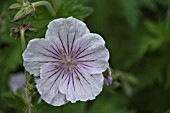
point(108, 80)
point(70, 61)
point(16, 82)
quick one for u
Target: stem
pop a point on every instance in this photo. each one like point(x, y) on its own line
point(62, 109)
point(22, 33)
point(47, 5)
point(28, 94)
point(27, 78)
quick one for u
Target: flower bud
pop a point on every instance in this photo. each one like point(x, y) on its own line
point(24, 12)
point(14, 32)
point(20, 14)
point(20, 1)
point(108, 79)
point(15, 6)
point(29, 10)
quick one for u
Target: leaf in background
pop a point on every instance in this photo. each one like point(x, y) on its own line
point(44, 108)
point(56, 4)
point(149, 70)
point(167, 20)
point(10, 59)
point(167, 72)
point(64, 8)
point(150, 100)
point(73, 108)
point(68, 108)
point(153, 67)
point(72, 8)
point(151, 4)
point(129, 10)
point(110, 103)
point(14, 100)
point(157, 34)
point(168, 111)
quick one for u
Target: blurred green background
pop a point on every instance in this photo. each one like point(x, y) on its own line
point(137, 34)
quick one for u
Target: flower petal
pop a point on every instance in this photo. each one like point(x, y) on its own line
point(67, 31)
point(48, 85)
point(79, 85)
point(91, 54)
point(17, 81)
point(37, 53)
point(108, 80)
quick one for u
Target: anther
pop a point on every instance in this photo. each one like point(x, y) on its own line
point(56, 66)
point(77, 78)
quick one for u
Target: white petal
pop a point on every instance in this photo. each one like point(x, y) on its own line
point(67, 31)
point(81, 86)
point(48, 69)
point(91, 53)
point(16, 81)
point(37, 53)
point(48, 86)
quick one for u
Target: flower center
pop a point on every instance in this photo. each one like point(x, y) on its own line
point(69, 62)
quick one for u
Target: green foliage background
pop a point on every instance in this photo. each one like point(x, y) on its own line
point(137, 34)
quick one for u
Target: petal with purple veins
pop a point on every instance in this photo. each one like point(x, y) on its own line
point(67, 31)
point(69, 61)
point(48, 85)
point(91, 54)
point(39, 52)
point(80, 85)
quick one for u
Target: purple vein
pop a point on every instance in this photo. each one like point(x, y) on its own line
point(79, 80)
point(73, 42)
point(72, 80)
point(52, 53)
point(61, 42)
point(47, 61)
point(56, 79)
point(58, 54)
point(58, 50)
point(94, 78)
point(85, 55)
point(86, 60)
point(48, 56)
point(50, 70)
point(78, 53)
point(81, 75)
point(67, 44)
point(81, 63)
point(52, 75)
point(68, 81)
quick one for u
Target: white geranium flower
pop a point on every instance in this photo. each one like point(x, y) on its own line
point(17, 81)
point(70, 61)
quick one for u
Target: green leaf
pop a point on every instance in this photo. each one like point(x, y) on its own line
point(168, 111)
point(130, 11)
point(110, 103)
point(43, 107)
point(73, 108)
point(151, 4)
point(72, 8)
point(56, 4)
point(14, 100)
point(167, 20)
point(157, 34)
point(65, 8)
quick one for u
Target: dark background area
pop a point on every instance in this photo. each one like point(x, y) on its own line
point(137, 34)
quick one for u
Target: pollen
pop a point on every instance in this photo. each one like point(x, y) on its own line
point(61, 51)
point(77, 78)
point(74, 63)
point(56, 66)
point(69, 62)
